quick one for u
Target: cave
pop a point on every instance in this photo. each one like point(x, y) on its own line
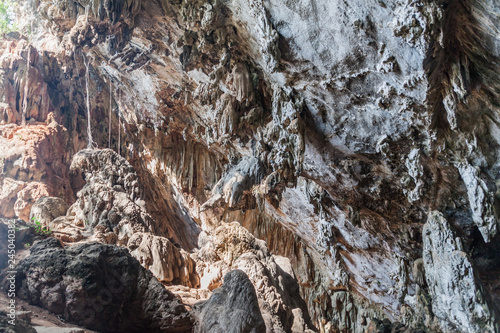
point(249, 166)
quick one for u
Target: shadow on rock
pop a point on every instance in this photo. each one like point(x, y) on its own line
point(98, 286)
point(233, 307)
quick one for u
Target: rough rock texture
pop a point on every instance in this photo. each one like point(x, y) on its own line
point(112, 200)
point(32, 165)
point(164, 259)
point(233, 307)
point(110, 208)
point(458, 297)
point(240, 178)
point(100, 287)
point(328, 129)
point(232, 247)
point(107, 203)
point(21, 325)
point(22, 78)
point(47, 209)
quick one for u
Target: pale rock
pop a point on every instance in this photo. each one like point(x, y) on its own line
point(8, 196)
point(458, 297)
point(480, 199)
point(168, 264)
point(46, 209)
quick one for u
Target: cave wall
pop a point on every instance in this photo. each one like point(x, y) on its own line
point(351, 137)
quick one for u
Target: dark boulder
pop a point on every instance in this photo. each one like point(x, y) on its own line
point(234, 307)
point(98, 286)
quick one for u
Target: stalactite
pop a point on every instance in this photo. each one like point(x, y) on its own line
point(310, 148)
point(26, 88)
point(90, 144)
point(119, 133)
point(119, 129)
point(26, 83)
point(110, 109)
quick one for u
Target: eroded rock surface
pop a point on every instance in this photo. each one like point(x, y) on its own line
point(458, 296)
point(231, 247)
point(98, 286)
point(32, 165)
point(47, 209)
point(328, 129)
point(110, 208)
point(233, 307)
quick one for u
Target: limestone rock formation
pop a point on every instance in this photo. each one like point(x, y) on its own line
point(32, 166)
point(47, 209)
point(164, 260)
point(100, 287)
point(107, 202)
point(110, 209)
point(235, 182)
point(356, 145)
point(458, 297)
point(231, 247)
point(233, 307)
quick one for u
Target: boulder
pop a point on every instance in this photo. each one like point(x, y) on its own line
point(46, 209)
point(234, 307)
point(98, 286)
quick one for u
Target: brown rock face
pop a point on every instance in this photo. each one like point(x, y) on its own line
point(33, 165)
point(22, 78)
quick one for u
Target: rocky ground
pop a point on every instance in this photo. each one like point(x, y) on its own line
point(255, 166)
point(37, 319)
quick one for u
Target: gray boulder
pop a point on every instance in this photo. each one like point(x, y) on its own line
point(46, 209)
point(232, 308)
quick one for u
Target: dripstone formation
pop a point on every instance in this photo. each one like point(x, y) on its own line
point(257, 166)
